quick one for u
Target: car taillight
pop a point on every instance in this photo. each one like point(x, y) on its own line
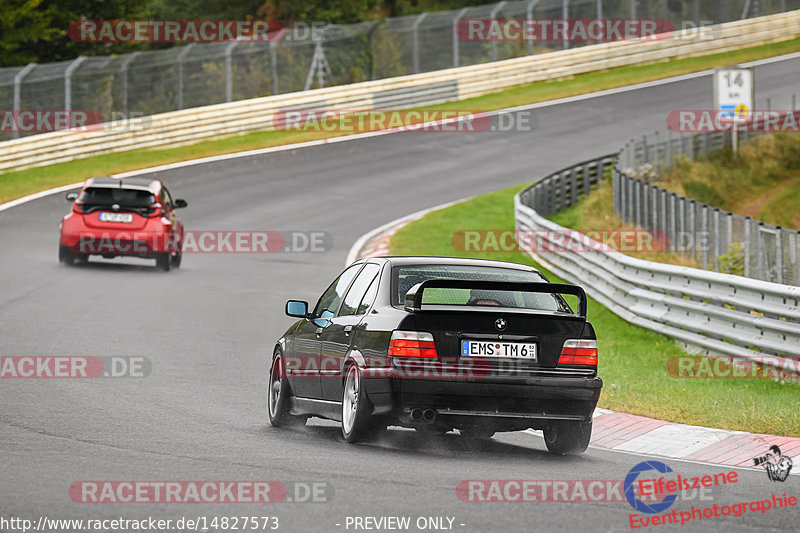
point(154, 210)
point(579, 352)
point(77, 207)
point(412, 344)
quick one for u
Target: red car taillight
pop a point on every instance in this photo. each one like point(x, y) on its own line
point(579, 352)
point(412, 344)
point(154, 211)
point(77, 207)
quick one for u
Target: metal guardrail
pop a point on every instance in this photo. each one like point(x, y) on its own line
point(158, 81)
point(727, 241)
point(718, 313)
point(192, 125)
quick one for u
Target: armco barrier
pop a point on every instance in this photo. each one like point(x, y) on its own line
point(191, 125)
point(718, 313)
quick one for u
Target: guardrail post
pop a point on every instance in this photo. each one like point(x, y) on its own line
point(599, 9)
point(123, 70)
point(565, 16)
point(587, 185)
point(493, 16)
point(229, 71)
point(704, 232)
point(181, 55)
point(614, 189)
point(672, 222)
point(68, 81)
point(717, 251)
point(573, 182)
point(693, 228)
point(663, 214)
point(273, 66)
point(779, 254)
point(729, 232)
point(760, 250)
point(529, 13)
point(633, 9)
point(797, 246)
point(638, 201)
point(747, 253)
point(18, 93)
point(654, 214)
point(456, 50)
point(415, 41)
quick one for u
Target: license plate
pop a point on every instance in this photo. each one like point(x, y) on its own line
point(127, 218)
point(513, 350)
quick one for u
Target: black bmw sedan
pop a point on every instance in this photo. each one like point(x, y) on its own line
point(439, 344)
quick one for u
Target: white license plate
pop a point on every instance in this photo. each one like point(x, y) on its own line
point(514, 350)
point(127, 218)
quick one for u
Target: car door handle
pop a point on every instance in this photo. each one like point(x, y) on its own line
point(347, 330)
point(319, 332)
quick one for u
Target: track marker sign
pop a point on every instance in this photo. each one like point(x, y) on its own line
point(734, 96)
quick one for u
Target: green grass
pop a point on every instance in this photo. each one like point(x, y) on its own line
point(762, 181)
point(632, 359)
point(14, 184)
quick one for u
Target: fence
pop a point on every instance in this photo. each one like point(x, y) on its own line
point(714, 238)
point(718, 313)
point(157, 81)
point(192, 125)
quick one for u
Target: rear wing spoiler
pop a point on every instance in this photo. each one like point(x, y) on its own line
point(413, 300)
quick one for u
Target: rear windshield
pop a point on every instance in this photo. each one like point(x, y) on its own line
point(127, 199)
point(408, 276)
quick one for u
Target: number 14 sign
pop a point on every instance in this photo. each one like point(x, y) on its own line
point(734, 93)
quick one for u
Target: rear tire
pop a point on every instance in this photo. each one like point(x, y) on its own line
point(164, 261)
point(176, 260)
point(279, 397)
point(65, 256)
point(356, 420)
point(567, 437)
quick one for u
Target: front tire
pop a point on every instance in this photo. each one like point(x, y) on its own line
point(278, 396)
point(567, 437)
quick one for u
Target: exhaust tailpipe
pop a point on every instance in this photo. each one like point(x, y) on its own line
point(416, 414)
point(429, 415)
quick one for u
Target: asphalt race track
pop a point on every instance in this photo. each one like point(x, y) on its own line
point(208, 330)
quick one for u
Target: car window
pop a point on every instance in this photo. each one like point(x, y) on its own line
point(358, 290)
point(166, 196)
point(104, 197)
point(407, 277)
point(369, 297)
point(329, 301)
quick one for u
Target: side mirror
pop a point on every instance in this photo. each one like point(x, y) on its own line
point(72, 196)
point(297, 308)
point(180, 203)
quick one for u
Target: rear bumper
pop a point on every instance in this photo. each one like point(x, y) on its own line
point(132, 243)
point(501, 400)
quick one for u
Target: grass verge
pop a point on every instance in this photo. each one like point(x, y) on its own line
point(15, 184)
point(632, 359)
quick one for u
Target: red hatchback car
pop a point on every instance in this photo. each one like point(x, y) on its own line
point(133, 217)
